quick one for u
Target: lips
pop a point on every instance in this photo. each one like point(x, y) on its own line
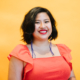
point(43, 32)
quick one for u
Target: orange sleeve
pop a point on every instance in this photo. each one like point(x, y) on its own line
point(22, 52)
point(65, 52)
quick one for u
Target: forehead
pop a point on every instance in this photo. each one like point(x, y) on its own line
point(42, 15)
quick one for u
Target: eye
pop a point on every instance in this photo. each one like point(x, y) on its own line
point(37, 22)
point(46, 21)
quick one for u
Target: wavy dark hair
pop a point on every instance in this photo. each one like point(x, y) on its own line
point(28, 25)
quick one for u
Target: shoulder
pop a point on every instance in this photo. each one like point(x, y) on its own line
point(65, 51)
point(19, 56)
point(20, 48)
point(21, 52)
point(63, 47)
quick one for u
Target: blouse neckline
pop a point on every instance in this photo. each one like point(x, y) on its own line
point(46, 57)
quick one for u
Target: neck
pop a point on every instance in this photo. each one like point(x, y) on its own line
point(41, 43)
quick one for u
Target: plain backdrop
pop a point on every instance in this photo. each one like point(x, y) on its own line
point(66, 14)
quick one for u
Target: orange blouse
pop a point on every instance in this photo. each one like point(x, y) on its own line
point(50, 68)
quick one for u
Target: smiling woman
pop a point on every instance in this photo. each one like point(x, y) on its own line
point(39, 59)
point(43, 27)
point(38, 17)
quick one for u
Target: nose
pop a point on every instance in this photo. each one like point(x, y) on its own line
point(42, 25)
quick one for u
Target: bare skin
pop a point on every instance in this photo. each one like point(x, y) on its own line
point(15, 69)
point(54, 49)
point(16, 66)
point(40, 41)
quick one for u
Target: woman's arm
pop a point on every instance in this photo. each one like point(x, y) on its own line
point(15, 69)
point(72, 76)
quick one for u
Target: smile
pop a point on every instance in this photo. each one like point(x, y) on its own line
point(43, 32)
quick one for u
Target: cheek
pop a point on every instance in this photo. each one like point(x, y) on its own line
point(36, 27)
point(50, 27)
point(36, 30)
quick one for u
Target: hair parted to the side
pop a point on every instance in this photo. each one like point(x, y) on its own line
point(28, 25)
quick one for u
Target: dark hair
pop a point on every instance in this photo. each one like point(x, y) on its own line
point(28, 25)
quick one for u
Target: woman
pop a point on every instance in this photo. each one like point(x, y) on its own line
point(40, 59)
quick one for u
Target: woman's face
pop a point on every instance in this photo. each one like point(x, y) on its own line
point(43, 27)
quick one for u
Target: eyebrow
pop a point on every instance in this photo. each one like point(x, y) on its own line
point(44, 19)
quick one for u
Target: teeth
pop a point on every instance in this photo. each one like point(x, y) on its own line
point(42, 31)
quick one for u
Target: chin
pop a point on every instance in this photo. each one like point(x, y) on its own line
point(42, 39)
